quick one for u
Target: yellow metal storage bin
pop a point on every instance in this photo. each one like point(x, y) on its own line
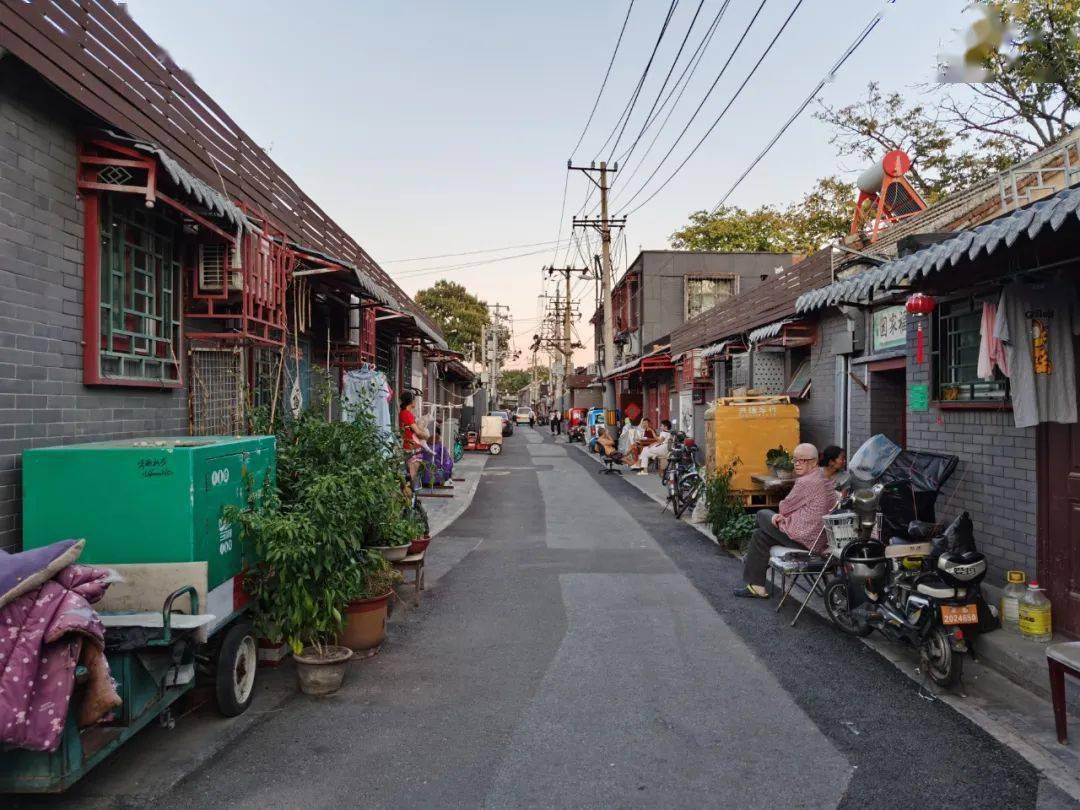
point(747, 428)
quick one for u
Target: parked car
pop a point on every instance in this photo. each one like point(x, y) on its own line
point(525, 414)
point(508, 423)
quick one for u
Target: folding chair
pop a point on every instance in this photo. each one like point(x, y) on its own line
point(808, 569)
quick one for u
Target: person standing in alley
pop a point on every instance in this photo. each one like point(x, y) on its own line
point(556, 422)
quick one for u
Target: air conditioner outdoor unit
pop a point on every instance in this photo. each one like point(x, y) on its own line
point(215, 260)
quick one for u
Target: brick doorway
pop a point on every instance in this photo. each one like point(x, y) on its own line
point(887, 391)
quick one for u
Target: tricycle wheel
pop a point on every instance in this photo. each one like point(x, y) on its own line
point(495, 449)
point(234, 672)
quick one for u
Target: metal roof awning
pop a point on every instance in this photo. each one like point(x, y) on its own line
point(966, 246)
point(714, 349)
point(766, 332)
point(657, 360)
point(214, 201)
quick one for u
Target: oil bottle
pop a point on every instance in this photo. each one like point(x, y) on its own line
point(1035, 620)
point(1010, 600)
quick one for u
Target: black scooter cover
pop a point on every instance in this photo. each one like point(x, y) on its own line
point(912, 484)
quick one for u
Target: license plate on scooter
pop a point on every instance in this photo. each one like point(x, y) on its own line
point(959, 614)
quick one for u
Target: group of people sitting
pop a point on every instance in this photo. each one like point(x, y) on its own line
point(796, 524)
point(636, 446)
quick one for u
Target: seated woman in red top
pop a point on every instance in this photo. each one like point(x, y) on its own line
point(412, 432)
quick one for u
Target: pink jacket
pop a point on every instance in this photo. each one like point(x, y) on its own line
point(802, 512)
point(42, 635)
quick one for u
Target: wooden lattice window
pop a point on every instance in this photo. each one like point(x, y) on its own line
point(133, 290)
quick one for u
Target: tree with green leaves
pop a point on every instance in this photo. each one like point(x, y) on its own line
point(460, 314)
point(514, 379)
point(1014, 90)
point(802, 227)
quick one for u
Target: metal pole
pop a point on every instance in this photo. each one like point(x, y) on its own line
point(605, 283)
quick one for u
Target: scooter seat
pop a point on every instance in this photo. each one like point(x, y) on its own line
point(936, 587)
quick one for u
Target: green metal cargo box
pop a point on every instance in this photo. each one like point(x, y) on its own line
point(146, 500)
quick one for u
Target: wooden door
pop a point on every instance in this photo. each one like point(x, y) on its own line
point(1059, 522)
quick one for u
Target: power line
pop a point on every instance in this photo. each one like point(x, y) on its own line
point(687, 74)
point(663, 86)
point(806, 103)
point(603, 84)
point(708, 93)
point(429, 270)
point(562, 211)
point(723, 112)
point(468, 252)
point(625, 117)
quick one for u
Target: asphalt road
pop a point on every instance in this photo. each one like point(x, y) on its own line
point(587, 652)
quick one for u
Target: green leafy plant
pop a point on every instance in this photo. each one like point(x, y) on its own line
point(779, 459)
point(722, 505)
point(339, 489)
point(735, 534)
point(726, 513)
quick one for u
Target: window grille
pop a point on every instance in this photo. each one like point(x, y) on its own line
point(955, 355)
point(140, 292)
point(702, 294)
point(216, 391)
point(264, 373)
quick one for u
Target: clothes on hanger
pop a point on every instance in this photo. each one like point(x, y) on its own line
point(1036, 322)
point(367, 388)
point(991, 350)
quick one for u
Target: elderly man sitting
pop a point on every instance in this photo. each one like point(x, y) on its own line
point(798, 524)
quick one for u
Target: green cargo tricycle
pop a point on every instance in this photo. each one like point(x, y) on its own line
point(151, 510)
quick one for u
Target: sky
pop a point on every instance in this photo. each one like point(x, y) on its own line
point(431, 128)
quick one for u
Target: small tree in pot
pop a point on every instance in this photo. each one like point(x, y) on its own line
point(305, 578)
point(338, 485)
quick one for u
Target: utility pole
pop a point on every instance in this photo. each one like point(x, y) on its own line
point(566, 345)
point(494, 357)
point(603, 224)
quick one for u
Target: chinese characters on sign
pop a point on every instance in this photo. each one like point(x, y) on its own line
point(918, 398)
point(890, 328)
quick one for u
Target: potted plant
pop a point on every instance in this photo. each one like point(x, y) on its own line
point(779, 462)
point(302, 585)
point(784, 466)
point(365, 615)
point(393, 536)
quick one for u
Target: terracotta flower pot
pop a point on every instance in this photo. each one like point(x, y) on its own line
point(365, 623)
point(419, 544)
point(322, 675)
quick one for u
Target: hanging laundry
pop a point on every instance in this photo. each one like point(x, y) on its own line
point(366, 388)
point(1036, 322)
point(991, 349)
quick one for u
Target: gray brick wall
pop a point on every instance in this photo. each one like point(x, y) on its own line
point(817, 412)
point(995, 480)
point(42, 399)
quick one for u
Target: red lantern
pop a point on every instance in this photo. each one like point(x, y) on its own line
point(919, 305)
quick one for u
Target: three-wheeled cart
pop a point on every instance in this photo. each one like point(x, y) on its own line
point(489, 439)
point(151, 509)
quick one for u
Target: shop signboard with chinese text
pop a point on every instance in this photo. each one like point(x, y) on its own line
point(890, 329)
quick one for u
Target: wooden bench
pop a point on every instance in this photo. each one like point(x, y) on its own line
point(416, 563)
